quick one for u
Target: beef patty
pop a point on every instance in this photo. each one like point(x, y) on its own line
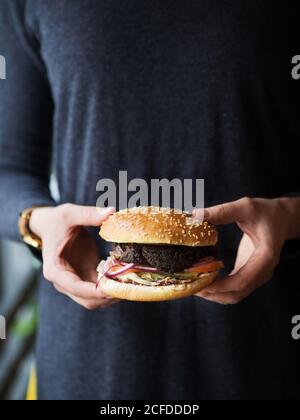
point(170, 259)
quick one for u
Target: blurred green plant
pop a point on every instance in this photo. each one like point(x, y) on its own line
point(26, 321)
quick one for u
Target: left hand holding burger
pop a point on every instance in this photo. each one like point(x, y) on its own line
point(266, 225)
point(70, 254)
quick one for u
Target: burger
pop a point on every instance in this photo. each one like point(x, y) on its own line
point(158, 254)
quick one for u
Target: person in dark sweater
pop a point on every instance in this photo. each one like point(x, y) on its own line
point(162, 89)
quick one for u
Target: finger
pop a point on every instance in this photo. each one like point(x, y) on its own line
point(198, 216)
point(87, 216)
point(98, 302)
point(89, 275)
point(71, 283)
point(245, 251)
point(92, 305)
point(252, 275)
point(223, 298)
point(236, 211)
point(59, 272)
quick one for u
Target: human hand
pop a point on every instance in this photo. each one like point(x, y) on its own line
point(70, 253)
point(266, 225)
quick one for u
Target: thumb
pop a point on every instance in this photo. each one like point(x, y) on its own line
point(88, 215)
point(225, 213)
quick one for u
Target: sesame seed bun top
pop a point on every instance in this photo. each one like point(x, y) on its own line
point(155, 225)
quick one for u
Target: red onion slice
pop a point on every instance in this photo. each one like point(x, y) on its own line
point(109, 264)
point(141, 268)
point(121, 263)
point(121, 271)
point(146, 269)
point(105, 274)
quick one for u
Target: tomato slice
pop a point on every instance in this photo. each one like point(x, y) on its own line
point(206, 267)
point(116, 268)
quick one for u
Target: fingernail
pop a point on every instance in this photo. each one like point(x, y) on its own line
point(106, 210)
point(200, 215)
point(206, 214)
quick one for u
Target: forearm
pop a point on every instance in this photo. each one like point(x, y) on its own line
point(39, 219)
point(291, 208)
point(18, 191)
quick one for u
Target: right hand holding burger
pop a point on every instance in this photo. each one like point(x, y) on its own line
point(70, 253)
point(266, 225)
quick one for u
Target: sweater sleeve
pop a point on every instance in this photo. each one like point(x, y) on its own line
point(26, 113)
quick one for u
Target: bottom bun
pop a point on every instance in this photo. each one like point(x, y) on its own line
point(140, 293)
